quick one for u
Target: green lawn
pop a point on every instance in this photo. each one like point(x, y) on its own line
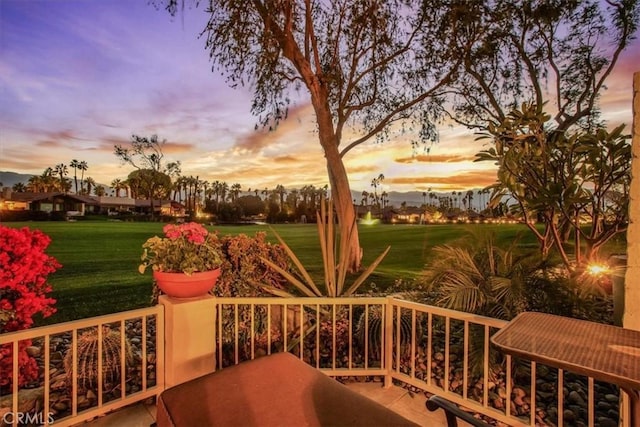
point(100, 258)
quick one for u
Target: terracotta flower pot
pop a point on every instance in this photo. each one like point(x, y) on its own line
point(181, 285)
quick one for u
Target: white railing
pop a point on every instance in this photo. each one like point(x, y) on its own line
point(321, 331)
point(436, 350)
point(69, 389)
point(444, 339)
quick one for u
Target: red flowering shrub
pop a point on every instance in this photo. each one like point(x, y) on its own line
point(24, 268)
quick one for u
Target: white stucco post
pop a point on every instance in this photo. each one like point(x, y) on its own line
point(189, 338)
point(631, 318)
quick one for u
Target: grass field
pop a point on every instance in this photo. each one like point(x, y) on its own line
point(100, 258)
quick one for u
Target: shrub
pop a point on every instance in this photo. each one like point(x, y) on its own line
point(24, 267)
point(243, 275)
point(483, 278)
point(243, 269)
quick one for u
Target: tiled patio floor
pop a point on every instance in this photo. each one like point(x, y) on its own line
point(409, 405)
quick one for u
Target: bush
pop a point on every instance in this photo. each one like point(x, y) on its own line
point(243, 269)
point(480, 277)
point(24, 268)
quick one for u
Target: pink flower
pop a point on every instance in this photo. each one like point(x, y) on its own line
point(171, 231)
point(198, 239)
point(187, 248)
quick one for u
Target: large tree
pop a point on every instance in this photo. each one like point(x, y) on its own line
point(145, 154)
point(365, 66)
point(555, 53)
point(563, 180)
point(533, 81)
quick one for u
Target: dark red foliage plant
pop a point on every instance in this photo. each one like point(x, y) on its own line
point(24, 268)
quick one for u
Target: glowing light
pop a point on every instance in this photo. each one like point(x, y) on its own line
point(367, 220)
point(597, 269)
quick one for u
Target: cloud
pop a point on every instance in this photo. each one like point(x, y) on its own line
point(435, 158)
point(296, 127)
point(362, 169)
point(286, 159)
point(460, 181)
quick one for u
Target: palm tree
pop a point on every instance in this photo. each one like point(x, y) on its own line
point(469, 197)
point(83, 166)
point(35, 184)
point(293, 199)
point(215, 189)
point(61, 170)
point(280, 191)
point(205, 188)
point(117, 185)
point(126, 187)
point(235, 192)
point(75, 164)
point(18, 187)
point(224, 188)
point(99, 190)
point(90, 184)
point(365, 197)
point(375, 183)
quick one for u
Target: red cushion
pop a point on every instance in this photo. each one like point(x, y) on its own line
point(275, 390)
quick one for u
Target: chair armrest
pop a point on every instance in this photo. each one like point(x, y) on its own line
point(453, 412)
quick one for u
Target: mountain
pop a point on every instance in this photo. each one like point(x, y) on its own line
point(9, 179)
point(413, 198)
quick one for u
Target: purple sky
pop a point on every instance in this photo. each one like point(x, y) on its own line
point(78, 76)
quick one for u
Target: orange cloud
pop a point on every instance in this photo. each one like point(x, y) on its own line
point(435, 158)
point(106, 144)
point(459, 181)
point(362, 169)
point(297, 117)
point(285, 159)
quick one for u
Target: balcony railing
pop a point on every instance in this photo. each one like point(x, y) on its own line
point(432, 349)
point(426, 348)
point(68, 389)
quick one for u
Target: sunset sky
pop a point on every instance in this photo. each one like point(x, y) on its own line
point(79, 76)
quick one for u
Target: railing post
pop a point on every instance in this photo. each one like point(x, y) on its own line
point(631, 316)
point(387, 359)
point(189, 349)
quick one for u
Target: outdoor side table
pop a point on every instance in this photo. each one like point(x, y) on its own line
point(604, 352)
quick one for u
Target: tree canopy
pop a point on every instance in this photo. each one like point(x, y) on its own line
point(555, 53)
point(368, 68)
point(371, 69)
point(152, 176)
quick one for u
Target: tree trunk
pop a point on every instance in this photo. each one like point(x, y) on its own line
point(330, 142)
point(340, 189)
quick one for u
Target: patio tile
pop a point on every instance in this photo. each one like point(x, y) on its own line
point(139, 415)
point(375, 391)
point(409, 405)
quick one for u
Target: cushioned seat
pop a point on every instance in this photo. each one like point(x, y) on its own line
point(275, 390)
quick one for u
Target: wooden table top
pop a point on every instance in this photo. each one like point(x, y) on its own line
point(604, 352)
